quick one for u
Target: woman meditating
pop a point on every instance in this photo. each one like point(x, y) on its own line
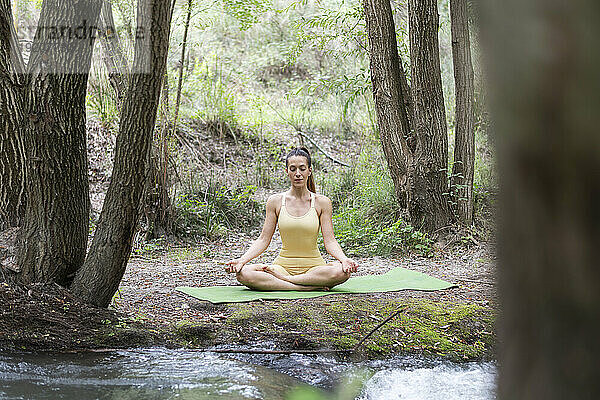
point(300, 212)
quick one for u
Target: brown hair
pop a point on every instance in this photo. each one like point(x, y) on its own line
point(303, 152)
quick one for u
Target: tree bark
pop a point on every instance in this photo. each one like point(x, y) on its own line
point(543, 61)
point(428, 198)
point(461, 181)
point(12, 152)
point(390, 94)
point(54, 236)
point(99, 278)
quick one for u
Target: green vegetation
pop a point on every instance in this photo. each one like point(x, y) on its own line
point(102, 100)
point(365, 237)
point(455, 331)
point(213, 210)
point(213, 102)
point(367, 220)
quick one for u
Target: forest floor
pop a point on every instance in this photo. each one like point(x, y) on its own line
point(457, 323)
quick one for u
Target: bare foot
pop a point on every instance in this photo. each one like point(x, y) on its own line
point(277, 274)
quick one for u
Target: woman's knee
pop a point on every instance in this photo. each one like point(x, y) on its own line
point(243, 278)
point(342, 276)
point(338, 273)
point(247, 276)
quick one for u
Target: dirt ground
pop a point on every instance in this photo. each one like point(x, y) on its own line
point(148, 311)
point(148, 287)
point(148, 292)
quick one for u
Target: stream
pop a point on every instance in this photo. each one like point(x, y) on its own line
point(159, 373)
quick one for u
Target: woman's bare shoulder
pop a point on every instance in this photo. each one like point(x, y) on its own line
point(274, 201)
point(322, 198)
point(322, 201)
point(274, 197)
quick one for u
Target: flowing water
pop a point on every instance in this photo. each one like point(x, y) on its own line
point(183, 374)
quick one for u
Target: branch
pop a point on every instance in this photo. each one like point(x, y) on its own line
point(182, 61)
point(378, 326)
point(183, 138)
point(475, 281)
point(305, 136)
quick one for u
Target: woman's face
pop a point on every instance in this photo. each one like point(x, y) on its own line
point(298, 171)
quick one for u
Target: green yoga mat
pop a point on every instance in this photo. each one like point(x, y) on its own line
point(395, 279)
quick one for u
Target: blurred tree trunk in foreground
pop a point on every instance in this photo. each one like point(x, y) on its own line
point(99, 278)
point(463, 167)
point(55, 230)
point(543, 60)
point(411, 120)
point(12, 152)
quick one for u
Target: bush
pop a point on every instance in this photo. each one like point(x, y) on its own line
point(367, 219)
point(360, 236)
point(214, 101)
point(101, 99)
point(212, 211)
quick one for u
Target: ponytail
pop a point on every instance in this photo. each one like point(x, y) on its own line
point(303, 151)
point(310, 184)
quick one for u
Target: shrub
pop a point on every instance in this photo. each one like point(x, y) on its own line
point(363, 236)
point(101, 99)
point(212, 211)
point(214, 101)
point(367, 219)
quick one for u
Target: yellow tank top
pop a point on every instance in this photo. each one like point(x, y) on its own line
point(299, 251)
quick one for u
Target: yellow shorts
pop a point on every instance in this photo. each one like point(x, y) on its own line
point(298, 265)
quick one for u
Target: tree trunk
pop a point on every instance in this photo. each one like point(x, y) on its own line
point(54, 236)
point(157, 203)
point(461, 181)
point(389, 93)
point(12, 156)
point(428, 198)
point(543, 61)
point(188, 18)
point(114, 59)
point(99, 278)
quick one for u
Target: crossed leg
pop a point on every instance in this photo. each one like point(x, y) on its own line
point(255, 277)
point(328, 275)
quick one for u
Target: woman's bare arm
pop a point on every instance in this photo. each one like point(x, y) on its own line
point(260, 244)
point(331, 244)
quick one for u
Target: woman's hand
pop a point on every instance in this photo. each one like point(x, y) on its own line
point(234, 266)
point(349, 265)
